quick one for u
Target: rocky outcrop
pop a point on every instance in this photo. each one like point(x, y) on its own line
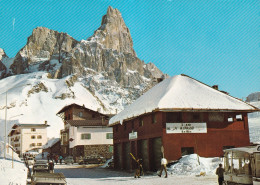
point(3, 57)
point(45, 48)
point(113, 33)
point(106, 62)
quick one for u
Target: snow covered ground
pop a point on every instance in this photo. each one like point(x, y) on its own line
point(96, 176)
point(12, 172)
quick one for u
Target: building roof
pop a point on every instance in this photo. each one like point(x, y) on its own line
point(51, 142)
point(31, 125)
point(89, 123)
point(79, 106)
point(246, 149)
point(182, 93)
point(26, 125)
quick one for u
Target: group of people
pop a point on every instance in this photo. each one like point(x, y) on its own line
point(53, 157)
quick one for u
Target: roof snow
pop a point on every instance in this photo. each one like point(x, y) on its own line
point(179, 93)
point(50, 143)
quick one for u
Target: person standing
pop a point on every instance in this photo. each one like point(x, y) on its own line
point(51, 166)
point(219, 173)
point(60, 158)
point(163, 167)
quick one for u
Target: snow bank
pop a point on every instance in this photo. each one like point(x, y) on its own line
point(11, 172)
point(189, 165)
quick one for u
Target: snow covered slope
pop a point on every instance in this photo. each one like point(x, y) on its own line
point(39, 98)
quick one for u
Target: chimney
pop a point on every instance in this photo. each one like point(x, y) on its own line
point(215, 87)
point(45, 122)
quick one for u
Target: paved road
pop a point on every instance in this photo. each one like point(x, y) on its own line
point(80, 175)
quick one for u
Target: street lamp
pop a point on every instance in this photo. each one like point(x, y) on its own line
point(6, 114)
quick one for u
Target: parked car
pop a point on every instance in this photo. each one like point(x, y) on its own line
point(68, 160)
point(40, 167)
point(48, 179)
point(94, 160)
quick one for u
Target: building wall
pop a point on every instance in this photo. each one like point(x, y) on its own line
point(98, 136)
point(210, 144)
point(26, 140)
point(220, 133)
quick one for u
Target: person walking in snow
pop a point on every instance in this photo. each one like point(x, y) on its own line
point(219, 173)
point(163, 167)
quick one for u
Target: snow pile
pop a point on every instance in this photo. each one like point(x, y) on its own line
point(11, 172)
point(51, 142)
point(189, 165)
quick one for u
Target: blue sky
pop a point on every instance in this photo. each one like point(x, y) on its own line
point(214, 41)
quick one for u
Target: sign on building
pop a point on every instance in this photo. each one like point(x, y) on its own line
point(174, 128)
point(132, 135)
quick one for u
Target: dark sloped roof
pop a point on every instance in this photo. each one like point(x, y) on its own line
point(81, 107)
point(89, 123)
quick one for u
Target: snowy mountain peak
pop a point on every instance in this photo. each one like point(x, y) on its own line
point(113, 33)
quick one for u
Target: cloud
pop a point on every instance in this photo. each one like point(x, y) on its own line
point(13, 23)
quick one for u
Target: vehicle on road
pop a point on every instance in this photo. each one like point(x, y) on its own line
point(242, 165)
point(48, 179)
point(40, 167)
point(69, 160)
point(93, 160)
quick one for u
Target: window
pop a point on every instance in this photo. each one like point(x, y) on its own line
point(33, 144)
point(63, 138)
point(216, 117)
point(174, 117)
point(230, 119)
point(80, 114)
point(110, 149)
point(32, 137)
point(187, 151)
point(109, 135)
point(141, 122)
point(39, 137)
point(239, 117)
point(85, 136)
point(39, 144)
point(33, 129)
point(154, 118)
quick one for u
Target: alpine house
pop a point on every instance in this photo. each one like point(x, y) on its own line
point(179, 116)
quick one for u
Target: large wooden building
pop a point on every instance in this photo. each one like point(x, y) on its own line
point(179, 116)
point(86, 132)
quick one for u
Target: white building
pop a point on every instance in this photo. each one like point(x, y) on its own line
point(28, 137)
point(86, 132)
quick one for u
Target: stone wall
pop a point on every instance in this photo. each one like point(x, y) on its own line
point(99, 150)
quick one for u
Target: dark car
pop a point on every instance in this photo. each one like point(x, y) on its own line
point(93, 160)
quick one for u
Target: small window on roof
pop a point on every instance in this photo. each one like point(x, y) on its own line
point(33, 129)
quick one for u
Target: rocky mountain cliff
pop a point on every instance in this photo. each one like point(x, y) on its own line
point(106, 63)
